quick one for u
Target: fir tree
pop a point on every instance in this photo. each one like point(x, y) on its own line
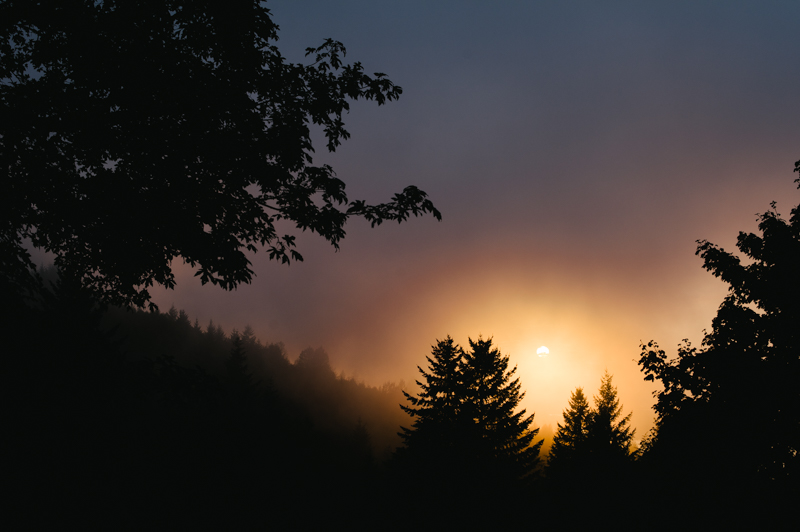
point(498, 435)
point(569, 443)
point(436, 410)
point(610, 436)
point(465, 423)
point(239, 376)
point(594, 444)
point(468, 449)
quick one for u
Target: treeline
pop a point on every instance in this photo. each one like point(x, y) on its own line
point(330, 401)
point(145, 419)
point(149, 420)
point(724, 450)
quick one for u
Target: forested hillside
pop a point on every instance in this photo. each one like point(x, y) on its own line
point(575, 150)
point(120, 412)
point(329, 400)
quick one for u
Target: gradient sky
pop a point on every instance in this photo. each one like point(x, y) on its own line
point(577, 150)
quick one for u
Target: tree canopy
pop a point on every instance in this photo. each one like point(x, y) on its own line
point(747, 367)
point(136, 132)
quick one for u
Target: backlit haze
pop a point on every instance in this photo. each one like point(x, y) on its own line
point(576, 150)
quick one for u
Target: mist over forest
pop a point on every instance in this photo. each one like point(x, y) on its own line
point(332, 403)
point(582, 164)
point(149, 418)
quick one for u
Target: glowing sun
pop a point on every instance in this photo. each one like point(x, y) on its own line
point(543, 351)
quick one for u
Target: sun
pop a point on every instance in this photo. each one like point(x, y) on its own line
point(543, 351)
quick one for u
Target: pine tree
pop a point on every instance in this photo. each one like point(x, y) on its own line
point(465, 423)
point(239, 376)
point(609, 435)
point(436, 410)
point(498, 435)
point(594, 444)
point(467, 449)
point(569, 443)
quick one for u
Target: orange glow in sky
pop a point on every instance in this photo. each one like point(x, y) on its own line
point(575, 164)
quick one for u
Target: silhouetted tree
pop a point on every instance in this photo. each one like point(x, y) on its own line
point(497, 433)
point(468, 452)
point(249, 337)
point(569, 442)
point(215, 334)
point(361, 447)
point(609, 436)
point(593, 443)
point(239, 376)
point(315, 361)
point(465, 419)
point(183, 116)
point(746, 369)
point(437, 409)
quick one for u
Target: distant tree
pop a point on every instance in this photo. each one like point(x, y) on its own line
point(569, 442)
point(747, 367)
point(183, 116)
point(361, 447)
point(183, 319)
point(249, 337)
point(215, 333)
point(314, 361)
point(238, 374)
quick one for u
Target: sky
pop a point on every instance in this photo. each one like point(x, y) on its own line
point(577, 152)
